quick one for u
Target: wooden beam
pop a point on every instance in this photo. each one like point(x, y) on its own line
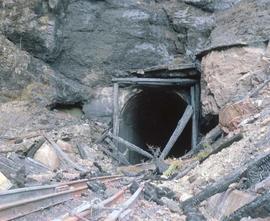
point(177, 132)
point(131, 146)
point(116, 153)
point(155, 81)
point(115, 110)
point(194, 129)
point(198, 107)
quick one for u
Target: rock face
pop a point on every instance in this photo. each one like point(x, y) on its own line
point(34, 25)
point(81, 44)
point(24, 77)
point(248, 21)
point(212, 5)
point(60, 51)
point(228, 75)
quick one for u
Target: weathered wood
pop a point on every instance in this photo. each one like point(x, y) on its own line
point(62, 155)
point(223, 184)
point(194, 133)
point(109, 153)
point(115, 110)
point(258, 208)
point(164, 68)
point(220, 186)
point(81, 151)
point(226, 142)
point(117, 212)
point(131, 146)
point(208, 140)
point(184, 172)
point(197, 108)
point(177, 132)
point(103, 136)
point(258, 89)
point(155, 81)
point(34, 148)
point(117, 154)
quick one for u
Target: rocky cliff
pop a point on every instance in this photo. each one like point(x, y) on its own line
point(61, 51)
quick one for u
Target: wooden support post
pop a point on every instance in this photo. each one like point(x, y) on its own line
point(131, 146)
point(115, 111)
point(193, 133)
point(195, 102)
point(177, 132)
point(197, 108)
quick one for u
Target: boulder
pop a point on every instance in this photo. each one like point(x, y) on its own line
point(47, 156)
point(231, 115)
point(228, 75)
point(5, 184)
point(223, 204)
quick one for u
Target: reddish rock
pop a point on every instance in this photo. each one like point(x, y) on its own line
point(225, 203)
point(231, 115)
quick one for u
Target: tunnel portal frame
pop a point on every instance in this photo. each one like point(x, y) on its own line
point(192, 111)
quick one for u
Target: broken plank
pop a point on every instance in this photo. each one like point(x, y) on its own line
point(81, 150)
point(127, 204)
point(220, 146)
point(34, 148)
point(119, 156)
point(177, 132)
point(223, 184)
point(208, 140)
point(103, 136)
point(131, 146)
point(184, 172)
point(258, 208)
point(155, 81)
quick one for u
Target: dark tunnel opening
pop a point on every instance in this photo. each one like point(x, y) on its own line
point(149, 118)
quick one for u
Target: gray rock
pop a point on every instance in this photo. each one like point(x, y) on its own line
point(104, 38)
point(212, 5)
point(247, 21)
point(193, 25)
point(33, 26)
point(25, 77)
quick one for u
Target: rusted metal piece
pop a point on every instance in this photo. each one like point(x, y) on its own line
point(24, 193)
point(86, 208)
point(23, 201)
point(23, 207)
point(126, 205)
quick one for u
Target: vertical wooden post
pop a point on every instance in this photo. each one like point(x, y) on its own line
point(197, 108)
point(115, 111)
point(194, 134)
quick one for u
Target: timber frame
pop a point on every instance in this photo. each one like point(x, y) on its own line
point(192, 110)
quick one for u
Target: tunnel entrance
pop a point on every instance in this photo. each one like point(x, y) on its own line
point(161, 113)
point(149, 118)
